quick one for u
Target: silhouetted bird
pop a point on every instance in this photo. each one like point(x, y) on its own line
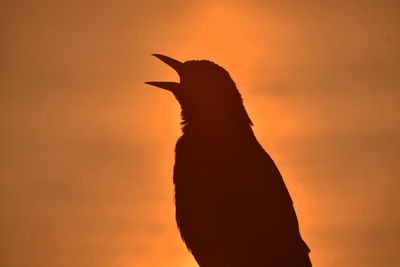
point(232, 206)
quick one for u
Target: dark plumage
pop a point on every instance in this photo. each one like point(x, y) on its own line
point(232, 206)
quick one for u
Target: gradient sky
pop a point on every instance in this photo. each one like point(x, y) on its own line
point(87, 147)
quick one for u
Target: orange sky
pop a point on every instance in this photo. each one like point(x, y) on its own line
point(87, 148)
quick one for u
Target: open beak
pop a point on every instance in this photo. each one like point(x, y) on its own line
point(173, 63)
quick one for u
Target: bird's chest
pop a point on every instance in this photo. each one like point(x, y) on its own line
point(204, 159)
point(213, 168)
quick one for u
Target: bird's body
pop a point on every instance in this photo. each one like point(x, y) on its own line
point(232, 206)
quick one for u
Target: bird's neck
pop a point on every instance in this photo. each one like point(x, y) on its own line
point(217, 129)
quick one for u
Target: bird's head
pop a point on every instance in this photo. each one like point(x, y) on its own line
point(205, 92)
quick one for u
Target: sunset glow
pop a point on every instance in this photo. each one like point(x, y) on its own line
point(88, 148)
